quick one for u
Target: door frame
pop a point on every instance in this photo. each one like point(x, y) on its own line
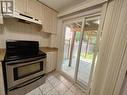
point(94, 56)
point(64, 25)
point(98, 10)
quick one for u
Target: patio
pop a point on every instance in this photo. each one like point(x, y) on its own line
point(83, 73)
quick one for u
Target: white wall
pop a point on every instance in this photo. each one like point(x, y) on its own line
point(21, 31)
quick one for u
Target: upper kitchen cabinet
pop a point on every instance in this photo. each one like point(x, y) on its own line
point(54, 22)
point(1, 17)
point(29, 7)
point(35, 9)
point(21, 6)
point(49, 20)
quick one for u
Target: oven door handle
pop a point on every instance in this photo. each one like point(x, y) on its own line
point(26, 83)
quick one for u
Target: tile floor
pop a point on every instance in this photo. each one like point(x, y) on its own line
point(56, 84)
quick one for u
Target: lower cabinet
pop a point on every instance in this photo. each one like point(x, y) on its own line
point(2, 90)
point(51, 63)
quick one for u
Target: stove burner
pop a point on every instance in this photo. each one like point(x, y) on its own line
point(22, 57)
point(20, 50)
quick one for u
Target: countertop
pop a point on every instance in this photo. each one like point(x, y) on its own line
point(2, 54)
point(48, 49)
point(44, 49)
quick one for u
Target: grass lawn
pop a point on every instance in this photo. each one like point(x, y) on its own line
point(89, 56)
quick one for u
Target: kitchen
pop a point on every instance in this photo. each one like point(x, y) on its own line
point(68, 40)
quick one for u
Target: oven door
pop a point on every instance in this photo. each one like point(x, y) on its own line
point(22, 72)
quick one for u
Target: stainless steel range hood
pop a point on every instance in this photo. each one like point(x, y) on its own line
point(23, 17)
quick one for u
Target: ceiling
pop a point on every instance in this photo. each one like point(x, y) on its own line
point(60, 5)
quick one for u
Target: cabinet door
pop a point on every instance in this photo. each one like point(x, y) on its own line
point(1, 17)
point(2, 90)
point(35, 9)
point(54, 60)
point(54, 22)
point(21, 6)
point(47, 20)
point(48, 63)
point(42, 11)
point(51, 61)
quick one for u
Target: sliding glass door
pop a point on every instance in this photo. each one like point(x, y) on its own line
point(72, 31)
point(81, 43)
point(88, 51)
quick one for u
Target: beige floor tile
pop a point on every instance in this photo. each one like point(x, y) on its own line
point(76, 90)
point(54, 81)
point(61, 88)
point(56, 84)
point(30, 93)
point(52, 92)
point(69, 92)
point(61, 78)
point(68, 84)
point(45, 88)
point(35, 92)
point(64, 80)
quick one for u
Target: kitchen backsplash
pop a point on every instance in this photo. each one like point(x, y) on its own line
point(13, 29)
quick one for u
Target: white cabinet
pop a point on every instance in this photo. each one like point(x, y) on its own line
point(1, 17)
point(34, 9)
point(43, 10)
point(54, 22)
point(2, 90)
point(51, 62)
point(21, 6)
point(49, 20)
point(28, 7)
